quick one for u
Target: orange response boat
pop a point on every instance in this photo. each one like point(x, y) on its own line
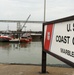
point(5, 38)
point(26, 39)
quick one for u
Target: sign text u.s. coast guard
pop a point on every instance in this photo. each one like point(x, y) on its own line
point(59, 39)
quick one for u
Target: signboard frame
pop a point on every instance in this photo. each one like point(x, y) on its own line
point(44, 52)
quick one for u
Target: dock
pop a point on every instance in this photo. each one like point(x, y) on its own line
point(6, 69)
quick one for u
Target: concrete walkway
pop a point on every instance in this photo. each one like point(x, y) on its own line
point(33, 70)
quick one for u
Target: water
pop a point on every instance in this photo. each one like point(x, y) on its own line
point(24, 54)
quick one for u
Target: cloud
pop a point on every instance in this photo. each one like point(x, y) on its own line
point(20, 10)
point(59, 8)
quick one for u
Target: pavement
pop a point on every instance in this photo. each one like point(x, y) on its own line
point(6, 69)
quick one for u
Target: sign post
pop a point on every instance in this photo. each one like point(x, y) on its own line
point(58, 41)
point(43, 62)
point(43, 55)
point(43, 52)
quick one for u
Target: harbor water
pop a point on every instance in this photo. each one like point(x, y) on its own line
point(25, 53)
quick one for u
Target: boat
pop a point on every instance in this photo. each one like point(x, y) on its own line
point(22, 39)
point(5, 38)
point(25, 38)
point(16, 40)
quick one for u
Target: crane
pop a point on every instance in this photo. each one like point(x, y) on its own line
point(19, 27)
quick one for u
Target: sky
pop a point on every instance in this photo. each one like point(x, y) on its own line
point(20, 10)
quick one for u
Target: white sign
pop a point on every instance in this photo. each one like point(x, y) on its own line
point(61, 40)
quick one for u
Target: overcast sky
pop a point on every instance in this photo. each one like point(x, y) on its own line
point(20, 10)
